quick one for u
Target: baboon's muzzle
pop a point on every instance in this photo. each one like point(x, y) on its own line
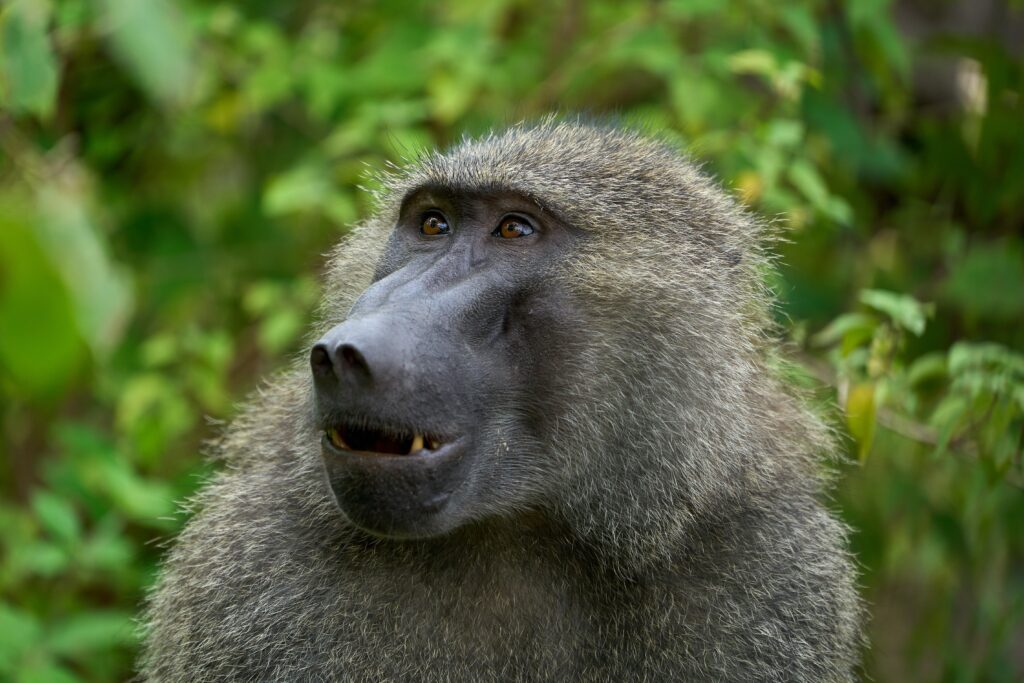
point(394, 392)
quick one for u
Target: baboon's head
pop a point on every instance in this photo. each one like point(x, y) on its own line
point(560, 318)
point(429, 390)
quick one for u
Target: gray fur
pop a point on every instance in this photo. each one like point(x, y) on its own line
point(678, 535)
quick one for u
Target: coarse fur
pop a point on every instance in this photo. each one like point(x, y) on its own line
point(666, 524)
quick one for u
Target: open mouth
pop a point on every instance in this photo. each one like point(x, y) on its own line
point(383, 442)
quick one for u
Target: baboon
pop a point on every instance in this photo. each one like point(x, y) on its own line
point(541, 436)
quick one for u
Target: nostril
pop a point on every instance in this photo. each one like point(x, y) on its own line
point(353, 358)
point(347, 354)
point(326, 359)
point(351, 362)
point(320, 358)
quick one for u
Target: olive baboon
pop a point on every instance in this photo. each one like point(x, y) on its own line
point(539, 439)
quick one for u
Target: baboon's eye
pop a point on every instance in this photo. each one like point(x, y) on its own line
point(434, 224)
point(512, 227)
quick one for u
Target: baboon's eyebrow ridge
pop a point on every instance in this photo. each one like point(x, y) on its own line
point(454, 192)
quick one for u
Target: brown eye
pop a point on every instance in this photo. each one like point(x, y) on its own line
point(513, 227)
point(434, 224)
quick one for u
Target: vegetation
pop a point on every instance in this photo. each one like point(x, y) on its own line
point(171, 172)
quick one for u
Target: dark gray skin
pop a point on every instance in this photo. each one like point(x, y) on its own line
point(613, 485)
point(447, 341)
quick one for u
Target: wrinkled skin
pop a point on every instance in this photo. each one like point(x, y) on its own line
point(558, 456)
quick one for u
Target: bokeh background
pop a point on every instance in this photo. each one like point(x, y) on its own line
point(172, 172)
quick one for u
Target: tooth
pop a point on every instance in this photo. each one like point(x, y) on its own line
point(335, 436)
point(434, 443)
point(417, 443)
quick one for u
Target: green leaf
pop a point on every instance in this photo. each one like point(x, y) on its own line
point(27, 63)
point(852, 329)
point(153, 410)
point(108, 551)
point(301, 188)
point(652, 48)
point(40, 347)
point(40, 558)
point(308, 187)
point(21, 633)
point(784, 133)
point(948, 417)
point(57, 516)
point(904, 310)
point(928, 366)
point(152, 40)
point(760, 62)
point(160, 350)
point(860, 416)
point(262, 297)
point(805, 177)
point(99, 288)
point(892, 45)
point(803, 25)
point(692, 9)
point(408, 143)
point(93, 631)
point(45, 671)
point(450, 96)
point(965, 356)
point(989, 282)
point(280, 329)
point(139, 499)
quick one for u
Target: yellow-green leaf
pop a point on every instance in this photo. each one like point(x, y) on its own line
point(860, 416)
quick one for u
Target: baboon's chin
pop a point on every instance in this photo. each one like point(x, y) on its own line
point(403, 487)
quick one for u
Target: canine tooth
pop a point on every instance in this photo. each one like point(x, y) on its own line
point(417, 443)
point(335, 436)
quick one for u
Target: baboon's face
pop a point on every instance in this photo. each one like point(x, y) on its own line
point(434, 392)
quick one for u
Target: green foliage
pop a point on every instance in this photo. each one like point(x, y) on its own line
point(170, 173)
point(29, 65)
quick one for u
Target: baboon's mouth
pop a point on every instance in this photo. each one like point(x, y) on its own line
point(380, 441)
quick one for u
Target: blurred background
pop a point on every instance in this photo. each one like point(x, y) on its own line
point(172, 172)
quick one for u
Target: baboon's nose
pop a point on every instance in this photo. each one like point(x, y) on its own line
point(340, 358)
point(375, 359)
